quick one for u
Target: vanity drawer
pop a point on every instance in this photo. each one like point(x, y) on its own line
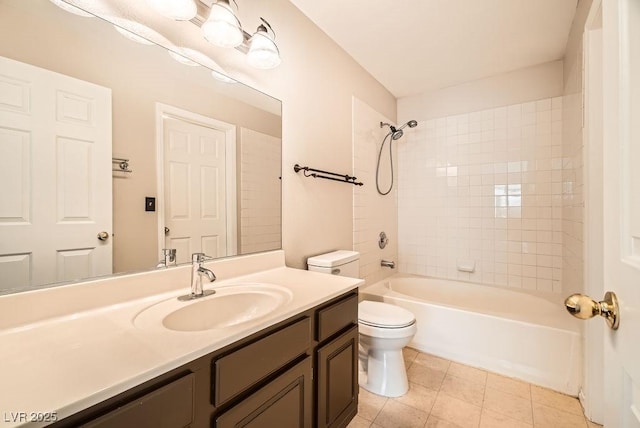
point(336, 317)
point(170, 406)
point(239, 370)
point(284, 402)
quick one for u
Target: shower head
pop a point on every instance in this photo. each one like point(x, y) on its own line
point(411, 124)
point(397, 133)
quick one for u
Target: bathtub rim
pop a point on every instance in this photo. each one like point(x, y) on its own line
point(564, 321)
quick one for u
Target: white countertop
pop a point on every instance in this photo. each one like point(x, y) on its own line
point(69, 362)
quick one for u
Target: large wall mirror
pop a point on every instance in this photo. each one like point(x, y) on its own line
point(112, 149)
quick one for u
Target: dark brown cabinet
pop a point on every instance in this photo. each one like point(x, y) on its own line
point(167, 407)
point(337, 381)
point(237, 371)
point(284, 402)
point(299, 373)
point(337, 370)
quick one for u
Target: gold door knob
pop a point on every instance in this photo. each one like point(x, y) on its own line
point(584, 307)
point(103, 236)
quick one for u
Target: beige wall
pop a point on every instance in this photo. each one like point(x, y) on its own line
point(315, 82)
point(373, 213)
point(519, 86)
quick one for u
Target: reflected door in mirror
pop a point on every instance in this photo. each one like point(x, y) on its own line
point(195, 191)
point(55, 150)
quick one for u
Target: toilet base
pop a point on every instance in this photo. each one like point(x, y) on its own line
point(385, 374)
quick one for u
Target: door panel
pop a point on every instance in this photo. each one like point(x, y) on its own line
point(621, 76)
point(52, 209)
point(15, 167)
point(195, 188)
point(73, 187)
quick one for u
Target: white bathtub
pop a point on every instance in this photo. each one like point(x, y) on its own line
point(514, 333)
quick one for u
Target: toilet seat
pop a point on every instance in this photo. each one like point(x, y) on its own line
point(384, 315)
point(387, 333)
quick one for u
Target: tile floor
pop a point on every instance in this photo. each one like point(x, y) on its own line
point(446, 394)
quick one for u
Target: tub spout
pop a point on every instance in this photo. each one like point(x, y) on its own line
point(387, 263)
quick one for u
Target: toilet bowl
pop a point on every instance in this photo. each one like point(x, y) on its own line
point(384, 330)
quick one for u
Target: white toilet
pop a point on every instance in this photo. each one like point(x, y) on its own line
point(384, 330)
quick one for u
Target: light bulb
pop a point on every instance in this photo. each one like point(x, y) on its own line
point(263, 52)
point(222, 28)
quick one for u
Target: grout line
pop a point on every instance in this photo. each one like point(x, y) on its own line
point(533, 415)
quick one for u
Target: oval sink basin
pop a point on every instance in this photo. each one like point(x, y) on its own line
point(230, 306)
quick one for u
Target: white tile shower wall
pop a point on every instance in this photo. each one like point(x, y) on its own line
point(485, 188)
point(260, 223)
point(372, 213)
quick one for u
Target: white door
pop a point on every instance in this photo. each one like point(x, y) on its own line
point(621, 75)
point(194, 189)
point(55, 171)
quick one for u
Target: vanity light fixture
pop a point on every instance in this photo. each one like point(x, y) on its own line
point(180, 10)
point(263, 51)
point(222, 27)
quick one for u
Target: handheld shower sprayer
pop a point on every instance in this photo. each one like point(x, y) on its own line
point(395, 134)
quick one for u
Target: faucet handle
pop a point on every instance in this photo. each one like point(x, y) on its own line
point(200, 257)
point(169, 253)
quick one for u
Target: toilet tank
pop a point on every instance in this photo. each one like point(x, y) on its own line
point(341, 262)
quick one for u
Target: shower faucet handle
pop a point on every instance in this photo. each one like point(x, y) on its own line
point(383, 240)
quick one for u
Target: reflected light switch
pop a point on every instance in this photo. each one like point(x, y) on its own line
point(149, 204)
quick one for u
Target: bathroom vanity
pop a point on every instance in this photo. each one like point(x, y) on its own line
point(269, 379)
point(295, 366)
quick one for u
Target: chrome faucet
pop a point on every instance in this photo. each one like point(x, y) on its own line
point(387, 263)
point(169, 257)
point(197, 272)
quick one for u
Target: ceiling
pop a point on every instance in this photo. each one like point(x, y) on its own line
point(417, 46)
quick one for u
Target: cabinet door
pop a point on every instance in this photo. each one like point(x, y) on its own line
point(168, 407)
point(284, 402)
point(337, 380)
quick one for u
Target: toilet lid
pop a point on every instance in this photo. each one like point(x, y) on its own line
point(380, 314)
